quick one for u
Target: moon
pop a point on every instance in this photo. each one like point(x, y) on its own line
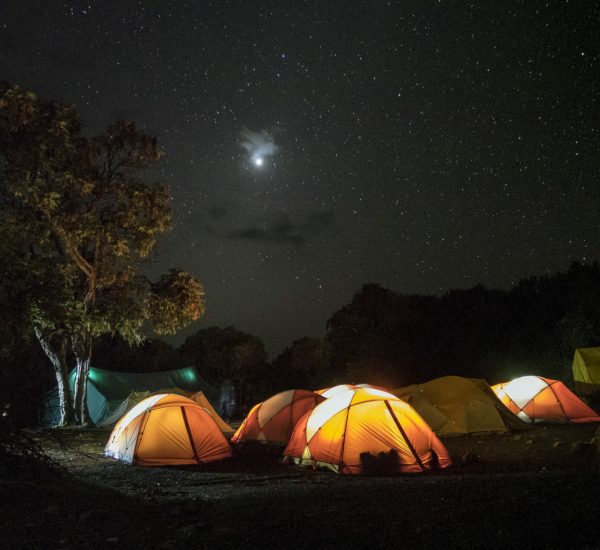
point(258, 161)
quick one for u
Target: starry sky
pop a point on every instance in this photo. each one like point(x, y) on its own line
point(312, 147)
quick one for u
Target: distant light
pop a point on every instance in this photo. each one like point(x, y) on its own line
point(258, 161)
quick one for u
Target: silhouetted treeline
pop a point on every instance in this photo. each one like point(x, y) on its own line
point(533, 328)
point(381, 337)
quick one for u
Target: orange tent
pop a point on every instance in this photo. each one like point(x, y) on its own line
point(536, 399)
point(274, 419)
point(352, 430)
point(201, 399)
point(167, 429)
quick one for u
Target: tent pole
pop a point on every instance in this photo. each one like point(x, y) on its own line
point(412, 449)
point(189, 432)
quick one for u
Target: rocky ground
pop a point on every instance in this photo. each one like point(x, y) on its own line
point(534, 489)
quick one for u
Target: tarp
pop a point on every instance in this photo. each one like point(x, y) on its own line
point(453, 405)
point(167, 429)
point(106, 390)
point(586, 370)
point(126, 405)
point(358, 431)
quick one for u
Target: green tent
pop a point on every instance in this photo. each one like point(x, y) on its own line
point(586, 370)
point(106, 390)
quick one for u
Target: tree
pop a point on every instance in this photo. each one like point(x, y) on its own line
point(87, 218)
point(305, 364)
point(227, 354)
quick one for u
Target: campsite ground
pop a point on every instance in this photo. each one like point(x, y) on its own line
point(534, 489)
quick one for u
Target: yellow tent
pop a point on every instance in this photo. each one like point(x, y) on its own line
point(586, 370)
point(167, 429)
point(455, 405)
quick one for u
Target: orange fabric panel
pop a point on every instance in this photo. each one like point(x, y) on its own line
point(249, 428)
point(372, 430)
point(575, 409)
point(297, 442)
point(305, 403)
point(279, 428)
point(326, 445)
point(164, 436)
point(208, 440)
point(545, 405)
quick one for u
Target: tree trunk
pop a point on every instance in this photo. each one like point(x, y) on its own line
point(58, 358)
point(82, 348)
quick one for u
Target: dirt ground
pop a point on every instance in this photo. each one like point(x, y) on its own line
point(534, 489)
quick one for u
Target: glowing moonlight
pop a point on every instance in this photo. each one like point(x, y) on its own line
point(258, 161)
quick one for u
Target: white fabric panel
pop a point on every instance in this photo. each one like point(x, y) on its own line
point(523, 390)
point(381, 393)
point(325, 410)
point(524, 417)
point(129, 439)
point(120, 437)
point(273, 405)
point(335, 390)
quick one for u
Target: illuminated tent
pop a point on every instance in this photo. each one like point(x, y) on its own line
point(167, 429)
point(586, 370)
point(536, 399)
point(106, 390)
point(330, 392)
point(273, 420)
point(135, 397)
point(454, 405)
point(201, 399)
point(350, 431)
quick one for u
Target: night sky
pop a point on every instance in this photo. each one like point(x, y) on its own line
point(425, 146)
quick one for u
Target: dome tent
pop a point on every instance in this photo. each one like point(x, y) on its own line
point(167, 429)
point(136, 397)
point(453, 405)
point(351, 429)
point(536, 399)
point(274, 419)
